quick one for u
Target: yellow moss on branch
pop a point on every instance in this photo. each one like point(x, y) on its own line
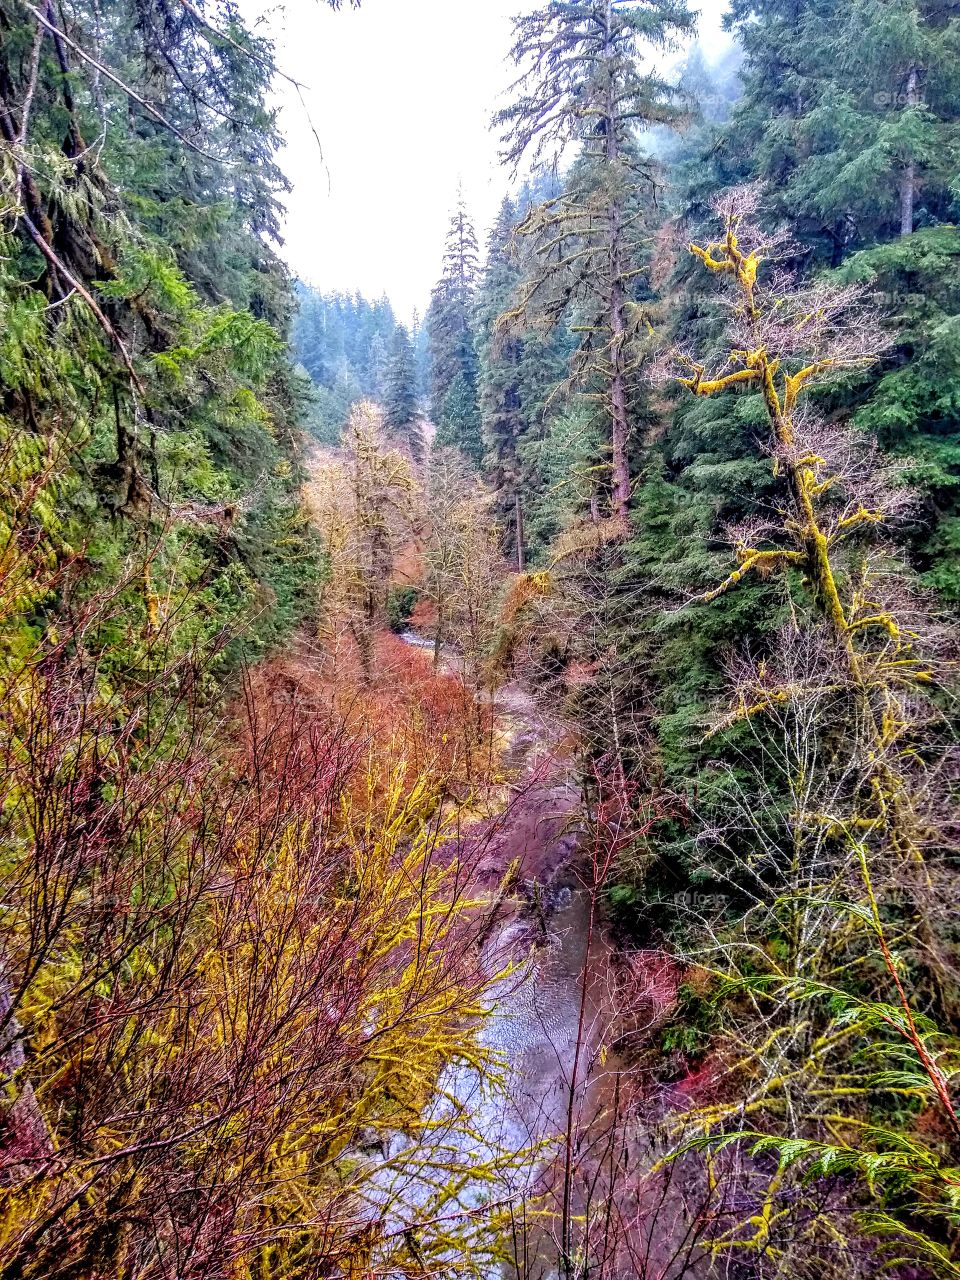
point(762, 562)
point(808, 528)
point(699, 387)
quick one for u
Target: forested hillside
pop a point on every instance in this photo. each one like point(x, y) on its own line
point(479, 795)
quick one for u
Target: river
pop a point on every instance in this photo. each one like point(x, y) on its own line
point(515, 1119)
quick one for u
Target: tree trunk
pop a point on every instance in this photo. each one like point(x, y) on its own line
point(438, 637)
point(521, 558)
point(620, 427)
point(906, 200)
point(909, 178)
point(363, 634)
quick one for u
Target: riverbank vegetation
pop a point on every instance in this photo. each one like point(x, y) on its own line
point(340, 655)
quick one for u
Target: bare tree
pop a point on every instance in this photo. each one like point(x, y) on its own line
point(463, 560)
point(362, 502)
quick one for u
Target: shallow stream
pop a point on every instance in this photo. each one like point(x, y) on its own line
point(534, 1005)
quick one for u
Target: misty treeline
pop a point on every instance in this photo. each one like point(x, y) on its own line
point(353, 349)
point(676, 448)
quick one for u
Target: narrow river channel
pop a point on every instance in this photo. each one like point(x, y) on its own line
point(515, 1118)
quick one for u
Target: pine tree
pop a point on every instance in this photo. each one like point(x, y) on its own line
point(401, 406)
point(503, 414)
point(581, 82)
point(450, 320)
point(459, 425)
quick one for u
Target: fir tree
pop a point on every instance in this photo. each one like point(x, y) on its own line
point(401, 407)
point(450, 321)
point(342, 341)
point(459, 425)
point(581, 82)
point(421, 354)
point(912, 404)
point(377, 366)
point(850, 118)
point(850, 112)
point(882, 138)
point(500, 379)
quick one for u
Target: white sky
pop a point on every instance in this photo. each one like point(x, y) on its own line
point(400, 93)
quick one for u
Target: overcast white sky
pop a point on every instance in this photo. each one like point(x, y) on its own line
point(400, 93)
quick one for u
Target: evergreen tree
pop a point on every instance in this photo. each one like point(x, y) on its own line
point(912, 403)
point(851, 118)
point(342, 341)
point(816, 91)
point(145, 208)
point(401, 405)
point(582, 83)
point(459, 425)
point(377, 366)
point(503, 413)
point(850, 112)
point(885, 138)
point(450, 320)
point(421, 354)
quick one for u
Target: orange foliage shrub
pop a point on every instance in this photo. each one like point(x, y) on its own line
point(423, 620)
point(413, 723)
point(524, 588)
point(218, 974)
point(408, 565)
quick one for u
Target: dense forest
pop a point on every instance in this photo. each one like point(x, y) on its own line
point(479, 792)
